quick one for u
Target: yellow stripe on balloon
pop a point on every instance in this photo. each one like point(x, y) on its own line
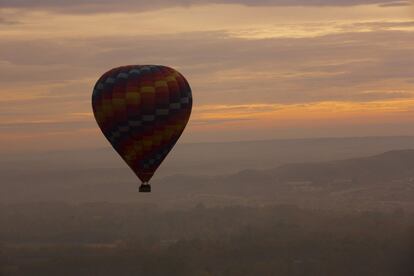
point(147, 89)
point(147, 143)
point(107, 108)
point(119, 105)
point(133, 97)
point(161, 83)
point(157, 138)
point(170, 78)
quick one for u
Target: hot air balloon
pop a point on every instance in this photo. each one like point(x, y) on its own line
point(142, 110)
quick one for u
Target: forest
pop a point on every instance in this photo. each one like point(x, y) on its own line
point(142, 239)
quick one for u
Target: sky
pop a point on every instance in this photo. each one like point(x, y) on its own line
point(259, 69)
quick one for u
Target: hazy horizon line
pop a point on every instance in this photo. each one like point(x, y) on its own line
point(51, 151)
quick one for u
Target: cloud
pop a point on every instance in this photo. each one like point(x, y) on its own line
point(92, 6)
point(277, 115)
point(40, 126)
point(244, 71)
point(5, 21)
point(49, 80)
point(396, 4)
point(381, 26)
point(218, 121)
point(227, 69)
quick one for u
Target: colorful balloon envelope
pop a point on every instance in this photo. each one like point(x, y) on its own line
point(142, 110)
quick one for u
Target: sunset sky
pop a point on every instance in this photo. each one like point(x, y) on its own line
point(259, 69)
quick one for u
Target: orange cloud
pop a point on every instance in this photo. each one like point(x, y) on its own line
point(327, 111)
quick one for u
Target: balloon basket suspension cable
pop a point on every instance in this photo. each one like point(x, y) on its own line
point(145, 188)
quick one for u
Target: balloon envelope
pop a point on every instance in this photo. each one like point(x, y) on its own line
point(142, 110)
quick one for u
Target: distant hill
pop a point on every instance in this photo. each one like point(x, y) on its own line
point(391, 165)
point(388, 166)
point(383, 177)
point(212, 158)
